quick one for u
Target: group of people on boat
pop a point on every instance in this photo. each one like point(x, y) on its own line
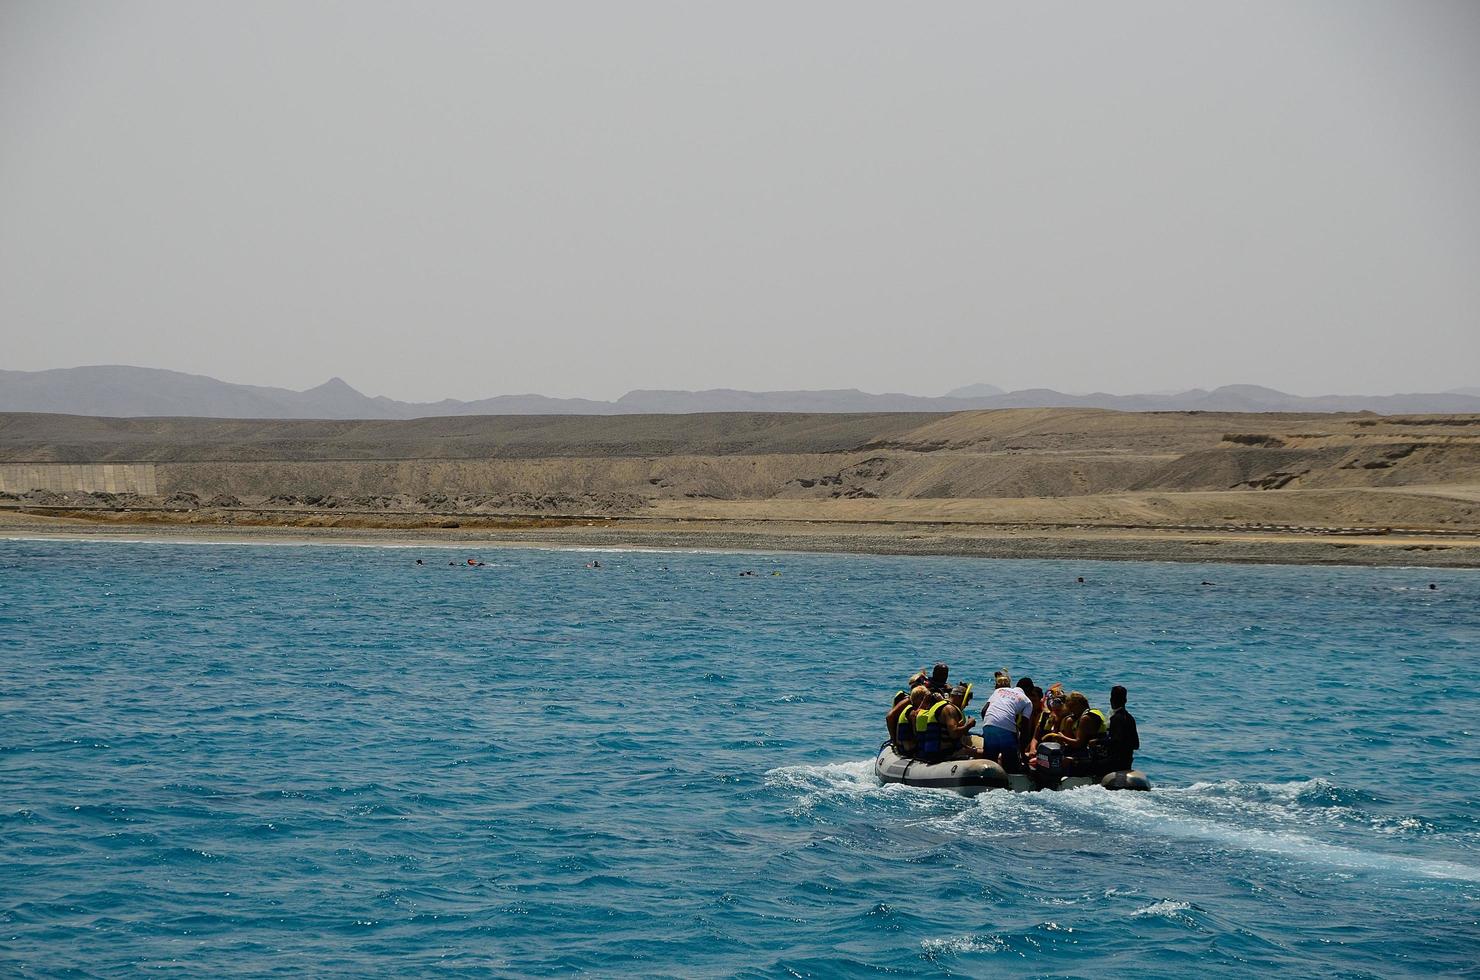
point(1024, 727)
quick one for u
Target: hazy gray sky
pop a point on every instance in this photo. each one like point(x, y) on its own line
point(468, 199)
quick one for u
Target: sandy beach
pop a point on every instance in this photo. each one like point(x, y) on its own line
point(1022, 541)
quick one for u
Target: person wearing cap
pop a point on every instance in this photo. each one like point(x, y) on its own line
point(957, 725)
point(1006, 712)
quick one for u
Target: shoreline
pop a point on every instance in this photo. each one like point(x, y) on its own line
point(1084, 543)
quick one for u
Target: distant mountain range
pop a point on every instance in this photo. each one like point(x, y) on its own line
point(150, 392)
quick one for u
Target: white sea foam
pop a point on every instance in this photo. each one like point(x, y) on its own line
point(1271, 818)
point(856, 775)
point(1004, 814)
point(1172, 813)
point(1228, 813)
point(1309, 803)
point(845, 782)
point(962, 944)
point(1164, 909)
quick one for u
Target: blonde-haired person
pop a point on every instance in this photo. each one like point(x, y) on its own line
point(1080, 726)
point(1054, 717)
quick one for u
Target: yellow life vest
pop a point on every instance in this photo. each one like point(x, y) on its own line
point(904, 729)
point(929, 732)
point(925, 717)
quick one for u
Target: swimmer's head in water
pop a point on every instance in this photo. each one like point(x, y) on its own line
point(1002, 678)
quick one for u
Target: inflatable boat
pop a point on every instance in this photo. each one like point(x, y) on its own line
point(972, 776)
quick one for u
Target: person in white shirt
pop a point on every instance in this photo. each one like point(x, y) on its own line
point(1004, 711)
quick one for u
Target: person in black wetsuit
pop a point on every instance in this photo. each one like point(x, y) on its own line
point(1122, 741)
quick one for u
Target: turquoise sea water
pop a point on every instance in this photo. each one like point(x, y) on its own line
point(330, 761)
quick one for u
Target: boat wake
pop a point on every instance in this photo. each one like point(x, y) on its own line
point(1289, 820)
point(849, 784)
point(1294, 820)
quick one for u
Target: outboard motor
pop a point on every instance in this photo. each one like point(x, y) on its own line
point(1051, 759)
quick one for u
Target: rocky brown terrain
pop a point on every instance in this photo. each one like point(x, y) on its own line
point(1027, 468)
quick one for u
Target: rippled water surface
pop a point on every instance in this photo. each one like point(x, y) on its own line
point(331, 761)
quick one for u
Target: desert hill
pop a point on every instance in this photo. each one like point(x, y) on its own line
point(628, 463)
point(1013, 483)
point(76, 439)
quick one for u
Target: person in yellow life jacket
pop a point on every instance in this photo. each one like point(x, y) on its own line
point(957, 725)
point(906, 727)
point(940, 729)
point(1088, 726)
point(933, 740)
point(901, 701)
point(901, 720)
